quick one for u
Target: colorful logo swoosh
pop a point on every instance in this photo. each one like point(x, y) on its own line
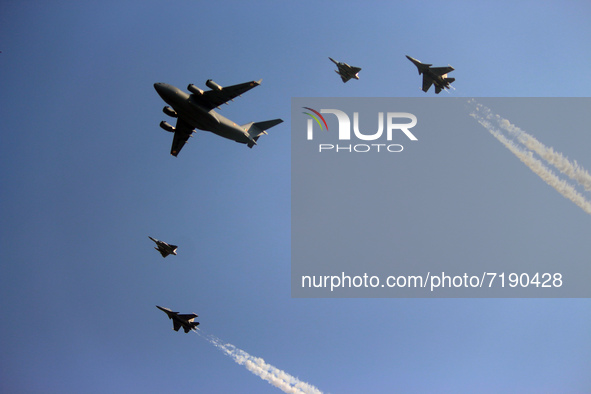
point(315, 118)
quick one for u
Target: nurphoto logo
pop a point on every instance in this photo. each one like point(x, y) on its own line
point(392, 126)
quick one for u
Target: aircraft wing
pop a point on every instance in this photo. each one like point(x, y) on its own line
point(164, 253)
point(188, 318)
point(355, 69)
point(182, 133)
point(345, 79)
point(176, 325)
point(214, 98)
point(441, 70)
point(427, 82)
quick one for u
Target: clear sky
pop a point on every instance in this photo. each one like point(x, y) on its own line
point(86, 176)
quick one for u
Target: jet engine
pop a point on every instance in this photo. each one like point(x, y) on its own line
point(170, 112)
point(167, 126)
point(212, 85)
point(195, 90)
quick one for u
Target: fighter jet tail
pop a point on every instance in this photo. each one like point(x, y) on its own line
point(255, 130)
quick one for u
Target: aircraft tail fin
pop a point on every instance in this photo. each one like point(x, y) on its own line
point(192, 326)
point(255, 130)
point(450, 80)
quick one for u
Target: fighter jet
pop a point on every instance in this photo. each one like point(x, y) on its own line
point(164, 248)
point(345, 71)
point(178, 321)
point(196, 111)
point(433, 75)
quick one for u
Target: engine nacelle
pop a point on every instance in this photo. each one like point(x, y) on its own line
point(212, 85)
point(194, 89)
point(170, 112)
point(167, 126)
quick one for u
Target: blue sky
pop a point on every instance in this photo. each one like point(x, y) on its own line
point(87, 176)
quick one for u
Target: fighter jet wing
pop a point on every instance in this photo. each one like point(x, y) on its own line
point(176, 325)
point(355, 69)
point(189, 317)
point(427, 82)
point(441, 70)
point(182, 133)
point(214, 98)
point(164, 253)
point(345, 79)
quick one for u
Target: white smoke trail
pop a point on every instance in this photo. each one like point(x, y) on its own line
point(560, 185)
point(573, 170)
point(258, 366)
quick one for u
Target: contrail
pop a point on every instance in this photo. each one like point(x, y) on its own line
point(258, 366)
point(536, 165)
point(557, 159)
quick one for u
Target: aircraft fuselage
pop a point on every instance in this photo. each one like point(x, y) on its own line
point(438, 80)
